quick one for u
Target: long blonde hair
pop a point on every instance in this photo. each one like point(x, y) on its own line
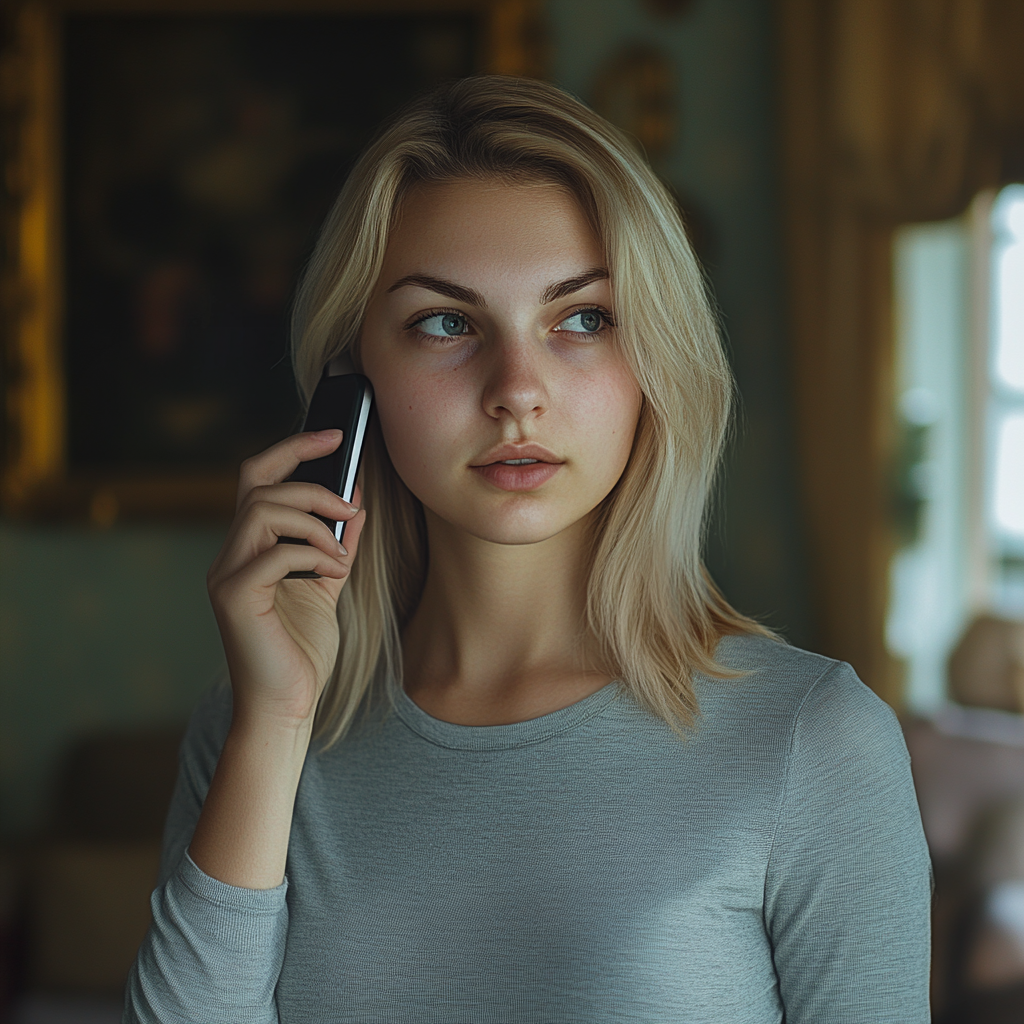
point(650, 604)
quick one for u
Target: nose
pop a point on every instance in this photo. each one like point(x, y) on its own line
point(515, 387)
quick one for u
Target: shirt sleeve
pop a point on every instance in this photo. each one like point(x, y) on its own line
point(213, 951)
point(848, 885)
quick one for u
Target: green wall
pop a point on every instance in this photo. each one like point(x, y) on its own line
point(98, 629)
point(107, 629)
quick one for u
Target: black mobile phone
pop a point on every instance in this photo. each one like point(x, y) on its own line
point(342, 401)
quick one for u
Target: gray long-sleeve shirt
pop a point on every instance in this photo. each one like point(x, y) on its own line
point(586, 866)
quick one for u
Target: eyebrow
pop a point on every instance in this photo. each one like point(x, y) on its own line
point(442, 287)
point(573, 284)
point(460, 293)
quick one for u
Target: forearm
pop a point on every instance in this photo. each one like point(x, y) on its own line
point(241, 837)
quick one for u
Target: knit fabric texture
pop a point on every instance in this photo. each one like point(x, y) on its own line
point(583, 867)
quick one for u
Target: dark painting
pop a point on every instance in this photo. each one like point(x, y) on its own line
point(202, 153)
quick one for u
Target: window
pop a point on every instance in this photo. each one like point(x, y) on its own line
point(958, 475)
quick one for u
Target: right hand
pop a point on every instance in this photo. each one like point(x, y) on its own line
point(281, 636)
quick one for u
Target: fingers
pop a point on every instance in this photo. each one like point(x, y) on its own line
point(279, 461)
point(260, 523)
point(302, 496)
point(267, 569)
point(270, 507)
point(353, 531)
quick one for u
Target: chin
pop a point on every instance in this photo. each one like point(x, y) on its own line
point(517, 536)
point(532, 524)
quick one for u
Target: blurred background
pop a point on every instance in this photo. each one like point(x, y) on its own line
point(851, 173)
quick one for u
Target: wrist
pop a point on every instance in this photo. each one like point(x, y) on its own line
point(259, 726)
point(269, 717)
point(242, 834)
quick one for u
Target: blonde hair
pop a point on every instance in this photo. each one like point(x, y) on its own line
point(651, 605)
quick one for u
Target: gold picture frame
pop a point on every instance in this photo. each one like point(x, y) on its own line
point(37, 481)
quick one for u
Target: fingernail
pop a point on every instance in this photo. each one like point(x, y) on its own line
point(342, 549)
point(349, 507)
point(325, 435)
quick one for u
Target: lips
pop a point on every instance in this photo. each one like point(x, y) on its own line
point(495, 469)
point(517, 451)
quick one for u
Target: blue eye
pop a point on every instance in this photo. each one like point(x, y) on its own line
point(443, 325)
point(589, 321)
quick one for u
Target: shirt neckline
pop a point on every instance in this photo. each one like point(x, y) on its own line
point(501, 737)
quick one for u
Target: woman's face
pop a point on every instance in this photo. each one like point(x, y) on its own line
point(489, 340)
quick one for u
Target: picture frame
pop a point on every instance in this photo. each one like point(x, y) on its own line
point(145, 342)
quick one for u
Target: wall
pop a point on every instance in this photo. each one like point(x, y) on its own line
point(98, 630)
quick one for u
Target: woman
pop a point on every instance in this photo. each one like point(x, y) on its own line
point(525, 763)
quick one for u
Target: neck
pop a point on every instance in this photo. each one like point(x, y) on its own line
point(497, 634)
